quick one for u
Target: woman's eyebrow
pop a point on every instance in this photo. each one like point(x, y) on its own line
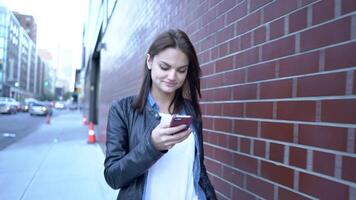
point(171, 66)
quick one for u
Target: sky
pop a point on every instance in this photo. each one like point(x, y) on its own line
point(59, 29)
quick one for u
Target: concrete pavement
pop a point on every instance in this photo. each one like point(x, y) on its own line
point(54, 162)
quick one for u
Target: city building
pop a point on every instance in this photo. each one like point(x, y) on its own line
point(23, 73)
point(28, 23)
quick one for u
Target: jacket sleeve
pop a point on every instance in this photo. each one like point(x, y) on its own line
point(122, 165)
point(204, 179)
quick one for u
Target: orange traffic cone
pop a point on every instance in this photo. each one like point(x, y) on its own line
point(91, 138)
point(85, 120)
point(48, 119)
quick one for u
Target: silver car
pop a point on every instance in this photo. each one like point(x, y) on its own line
point(8, 105)
point(39, 108)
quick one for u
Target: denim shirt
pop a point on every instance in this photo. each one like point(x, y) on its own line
point(196, 165)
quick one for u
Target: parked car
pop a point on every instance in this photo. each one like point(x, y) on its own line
point(40, 108)
point(8, 105)
point(26, 103)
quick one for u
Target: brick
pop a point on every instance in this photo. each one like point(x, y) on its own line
point(208, 150)
point(245, 40)
point(216, 24)
point(222, 94)
point(222, 140)
point(354, 83)
point(245, 127)
point(223, 49)
point(299, 64)
point(324, 163)
point(223, 156)
point(222, 187)
point(232, 176)
point(204, 57)
point(236, 13)
point(232, 109)
point(224, 6)
point(261, 72)
point(332, 137)
point(296, 110)
point(248, 23)
point(340, 111)
point(208, 42)
point(234, 77)
point(242, 92)
point(257, 4)
point(259, 110)
point(276, 29)
point(259, 187)
point(277, 131)
point(286, 194)
point(348, 168)
point(241, 194)
point(323, 11)
point(208, 16)
point(245, 145)
point(213, 81)
point(298, 20)
point(213, 167)
point(276, 173)
point(306, 2)
point(223, 125)
point(207, 69)
point(298, 157)
point(232, 142)
point(316, 186)
point(213, 109)
point(279, 48)
point(326, 34)
point(247, 57)
point(345, 51)
point(276, 152)
point(259, 35)
point(276, 89)
point(322, 85)
point(208, 122)
point(214, 53)
point(235, 45)
point(207, 95)
point(347, 7)
point(245, 163)
point(224, 64)
point(259, 148)
point(278, 8)
point(211, 137)
point(225, 34)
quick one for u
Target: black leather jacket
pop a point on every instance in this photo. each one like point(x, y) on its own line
point(130, 152)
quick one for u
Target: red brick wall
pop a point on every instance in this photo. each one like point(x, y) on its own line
point(278, 86)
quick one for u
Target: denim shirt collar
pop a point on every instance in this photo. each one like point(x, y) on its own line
point(152, 103)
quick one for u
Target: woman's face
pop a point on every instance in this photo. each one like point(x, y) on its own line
point(168, 70)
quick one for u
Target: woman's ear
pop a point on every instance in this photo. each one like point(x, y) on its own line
point(149, 62)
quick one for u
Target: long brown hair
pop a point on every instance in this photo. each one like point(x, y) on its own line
point(191, 88)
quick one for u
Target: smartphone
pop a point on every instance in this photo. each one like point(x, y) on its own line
point(181, 119)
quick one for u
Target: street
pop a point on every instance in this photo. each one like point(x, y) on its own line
point(50, 161)
point(15, 127)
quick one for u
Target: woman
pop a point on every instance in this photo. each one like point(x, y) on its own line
point(145, 157)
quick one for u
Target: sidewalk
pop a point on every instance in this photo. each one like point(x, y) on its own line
point(55, 162)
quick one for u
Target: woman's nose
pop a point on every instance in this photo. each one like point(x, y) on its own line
point(172, 75)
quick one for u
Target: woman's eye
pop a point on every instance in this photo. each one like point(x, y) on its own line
point(182, 71)
point(164, 67)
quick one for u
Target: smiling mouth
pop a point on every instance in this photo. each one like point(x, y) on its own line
point(170, 84)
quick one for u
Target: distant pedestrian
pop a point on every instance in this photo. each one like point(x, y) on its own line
point(146, 157)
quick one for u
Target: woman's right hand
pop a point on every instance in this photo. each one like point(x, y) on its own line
point(165, 137)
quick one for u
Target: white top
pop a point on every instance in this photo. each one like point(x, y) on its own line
point(171, 177)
